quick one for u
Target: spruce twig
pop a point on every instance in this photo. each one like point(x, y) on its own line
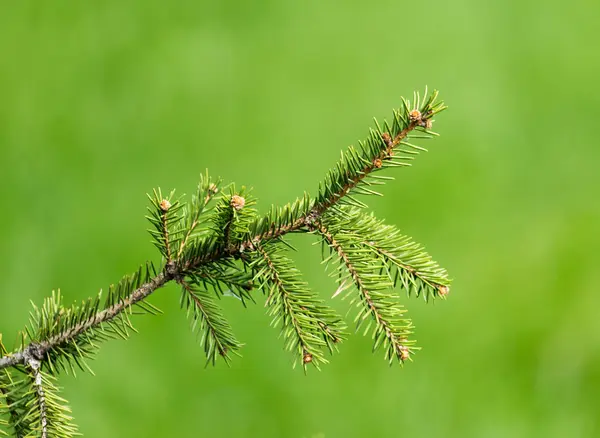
point(228, 250)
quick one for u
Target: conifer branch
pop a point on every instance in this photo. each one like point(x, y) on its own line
point(33, 404)
point(391, 329)
point(205, 193)
point(228, 250)
point(216, 334)
point(39, 350)
point(403, 259)
point(306, 323)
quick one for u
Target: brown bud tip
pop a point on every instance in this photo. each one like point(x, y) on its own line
point(414, 115)
point(213, 188)
point(404, 354)
point(237, 202)
point(377, 163)
point(427, 123)
point(307, 358)
point(164, 205)
point(443, 290)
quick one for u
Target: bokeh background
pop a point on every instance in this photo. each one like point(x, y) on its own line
point(102, 101)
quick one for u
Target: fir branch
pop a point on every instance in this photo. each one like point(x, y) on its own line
point(391, 328)
point(39, 349)
point(216, 335)
point(280, 221)
point(383, 148)
point(33, 403)
point(356, 170)
point(234, 214)
point(164, 217)
point(405, 260)
point(230, 250)
point(41, 410)
point(206, 191)
point(208, 250)
point(306, 323)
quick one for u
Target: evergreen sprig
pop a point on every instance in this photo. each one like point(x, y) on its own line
point(193, 215)
point(403, 260)
point(380, 310)
point(215, 332)
point(35, 409)
point(215, 246)
point(385, 147)
point(234, 213)
point(307, 324)
point(70, 334)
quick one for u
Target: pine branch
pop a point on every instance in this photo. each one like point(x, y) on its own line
point(163, 216)
point(36, 407)
point(206, 191)
point(388, 147)
point(404, 260)
point(215, 332)
point(307, 324)
point(232, 219)
point(229, 251)
point(351, 171)
point(81, 326)
point(391, 328)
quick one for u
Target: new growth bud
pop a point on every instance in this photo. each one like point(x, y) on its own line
point(443, 290)
point(404, 354)
point(237, 202)
point(415, 115)
point(307, 358)
point(165, 205)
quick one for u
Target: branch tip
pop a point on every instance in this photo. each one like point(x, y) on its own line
point(307, 358)
point(443, 290)
point(165, 205)
point(237, 202)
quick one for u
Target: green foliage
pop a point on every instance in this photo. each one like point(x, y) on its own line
point(34, 407)
point(280, 220)
point(307, 324)
point(165, 220)
point(380, 311)
point(193, 224)
point(74, 332)
point(401, 259)
point(387, 147)
point(226, 277)
point(214, 331)
point(228, 250)
point(234, 213)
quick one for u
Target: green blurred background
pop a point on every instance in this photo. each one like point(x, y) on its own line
point(102, 101)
